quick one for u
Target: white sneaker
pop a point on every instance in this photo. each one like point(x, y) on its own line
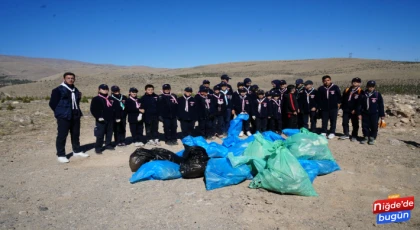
point(241, 134)
point(151, 142)
point(324, 135)
point(157, 142)
point(138, 144)
point(63, 160)
point(331, 136)
point(248, 133)
point(81, 154)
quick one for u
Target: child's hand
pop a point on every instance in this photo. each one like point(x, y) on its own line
point(313, 109)
point(101, 119)
point(118, 120)
point(141, 110)
point(360, 117)
point(254, 117)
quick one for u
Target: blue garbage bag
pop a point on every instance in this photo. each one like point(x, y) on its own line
point(236, 124)
point(311, 168)
point(180, 153)
point(272, 136)
point(239, 148)
point(220, 173)
point(231, 140)
point(195, 141)
point(290, 132)
point(216, 150)
point(326, 166)
point(156, 170)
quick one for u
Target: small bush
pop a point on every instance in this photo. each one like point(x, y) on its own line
point(3, 100)
point(26, 100)
point(10, 107)
point(84, 99)
point(9, 98)
point(47, 98)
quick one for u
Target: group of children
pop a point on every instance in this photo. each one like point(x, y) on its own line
point(284, 106)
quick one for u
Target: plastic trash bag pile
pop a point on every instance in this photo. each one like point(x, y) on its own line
point(286, 166)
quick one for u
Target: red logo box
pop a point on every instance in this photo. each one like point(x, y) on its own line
point(393, 205)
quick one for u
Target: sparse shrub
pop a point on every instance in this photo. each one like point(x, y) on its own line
point(3, 100)
point(10, 107)
point(8, 98)
point(26, 100)
point(84, 99)
point(47, 98)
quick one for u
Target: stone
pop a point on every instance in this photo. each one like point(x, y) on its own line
point(394, 142)
point(405, 120)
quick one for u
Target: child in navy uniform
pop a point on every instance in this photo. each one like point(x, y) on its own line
point(372, 108)
point(227, 92)
point(168, 109)
point(252, 96)
point(187, 112)
point(242, 104)
point(269, 97)
point(121, 123)
point(300, 87)
point(206, 83)
point(205, 112)
point(275, 113)
point(149, 103)
point(276, 86)
point(236, 94)
point(247, 85)
point(104, 112)
point(219, 111)
point(291, 107)
point(135, 117)
point(350, 101)
point(308, 106)
point(260, 111)
point(329, 100)
point(225, 78)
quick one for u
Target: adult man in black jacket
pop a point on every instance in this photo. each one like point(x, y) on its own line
point(64, 102)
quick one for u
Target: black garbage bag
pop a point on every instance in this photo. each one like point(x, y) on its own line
point(195, 162)
point(142, 156)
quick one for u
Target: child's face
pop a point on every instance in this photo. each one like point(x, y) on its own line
point(249, 83)
point(269, 97)
point(224, 80)
point(308, 87)
point(276, 98)
point(274, 85)
point(188, 94)
point(216, 91)
point(243, 94)
point(207, 85)
point(166, 91)
point(300, 85)
point(261, 96)
point(241, 87)
point(283, 86)
point(116, 93)
point(204, 93)
point(355, 84)
point(224, 88)
point(327, 81)
point(293, 91)
point(371, 88)
point(133, 94)
point(150, 91)
point(103, 91)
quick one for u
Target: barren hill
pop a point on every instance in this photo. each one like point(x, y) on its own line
point(47, 73)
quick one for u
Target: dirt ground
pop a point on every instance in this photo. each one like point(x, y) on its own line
point(36, 192)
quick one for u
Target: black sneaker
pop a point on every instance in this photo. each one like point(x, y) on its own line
point(98, 151)
point(169, 143)
point(109, 147)
point(371, 141)
point(344, 137)
point(353, 139)
point(175, 142)
point(364, 140)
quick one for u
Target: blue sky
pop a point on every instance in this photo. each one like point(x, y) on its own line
point(188, 33)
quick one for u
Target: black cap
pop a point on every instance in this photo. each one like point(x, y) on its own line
point(243, 90)
point(283, 82)
point(115, 88)
point(254, 87)
point(275, 93)
point(247, 80)
point(222, 84)
point(204, 89)
point(216, 87)
point(371, 83)
point(240, 84)
point(166, 86)
point(188, 89)
point(308, 82)
point(299, 81)
point(268, 94)
point(206, 82)
point(133, 89)
point(103, 86)
point(356, 79)
point(260, 92)
point(225, 77)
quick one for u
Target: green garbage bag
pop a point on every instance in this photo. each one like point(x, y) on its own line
point(284, 174)
point(309, 146)
point(255, 155)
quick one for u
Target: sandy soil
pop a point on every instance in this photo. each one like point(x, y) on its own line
point(36, 192)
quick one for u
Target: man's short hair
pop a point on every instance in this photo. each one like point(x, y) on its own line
point(149, 86)
point(325, 77)
point(68, 73)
